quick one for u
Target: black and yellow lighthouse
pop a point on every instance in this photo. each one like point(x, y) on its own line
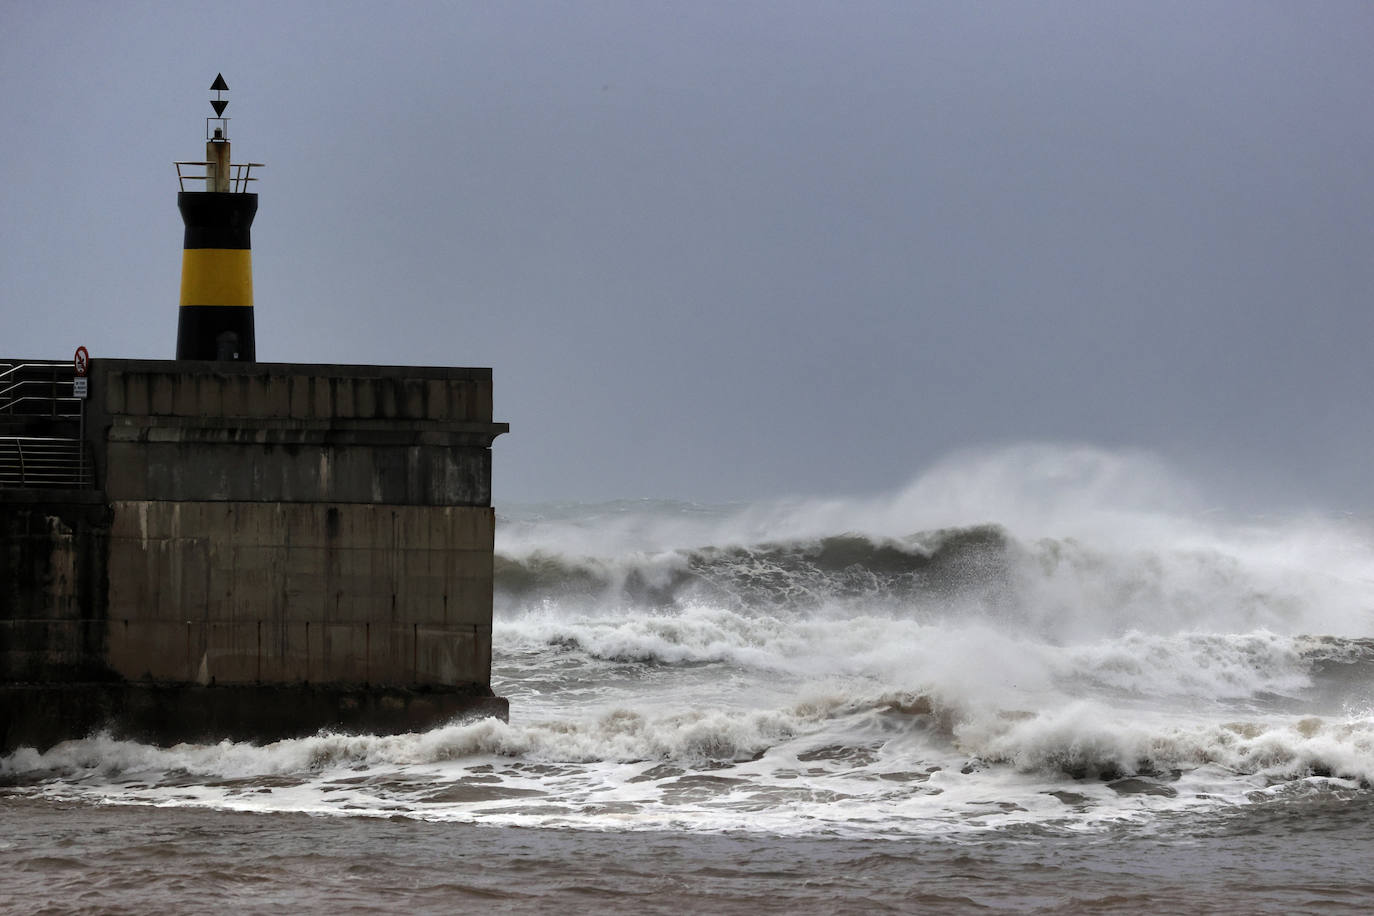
point(216, 315)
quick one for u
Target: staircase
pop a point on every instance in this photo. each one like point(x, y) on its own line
point(40, 428)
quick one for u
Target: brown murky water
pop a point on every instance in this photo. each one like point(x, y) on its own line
point(65, 857)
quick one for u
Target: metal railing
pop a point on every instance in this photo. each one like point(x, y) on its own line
point(27, 461)
point(38, 390)
point(37, 397)
point(239, 174)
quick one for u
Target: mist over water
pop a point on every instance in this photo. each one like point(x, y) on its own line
point(1034, 613)
point(1033, 639)
point(1060, 543)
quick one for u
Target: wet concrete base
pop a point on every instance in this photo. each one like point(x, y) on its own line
point(41, 715)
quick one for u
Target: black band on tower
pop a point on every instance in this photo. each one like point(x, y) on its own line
point(217, 220)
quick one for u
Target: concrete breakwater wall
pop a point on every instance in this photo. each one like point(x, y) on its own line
point(270, 549)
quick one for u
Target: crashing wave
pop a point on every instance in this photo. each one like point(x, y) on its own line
point(800, 573)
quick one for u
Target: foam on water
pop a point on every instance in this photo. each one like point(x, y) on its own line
point(1047, 638)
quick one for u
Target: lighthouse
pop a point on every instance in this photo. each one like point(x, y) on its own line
point(239, 549)
point(215, 319)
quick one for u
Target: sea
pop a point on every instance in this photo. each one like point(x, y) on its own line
point(1035, 679)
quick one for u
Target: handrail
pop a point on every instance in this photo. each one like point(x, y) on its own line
point(12, 368)
point(61, 408)
point(24, 385)
point(239, 175)
point(32, 461)
point(33, 398)
point(30, 382)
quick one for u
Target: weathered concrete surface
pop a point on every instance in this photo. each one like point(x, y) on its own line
point(53, 585)
point(256, 526)
point(271, 432)
point(284, 592)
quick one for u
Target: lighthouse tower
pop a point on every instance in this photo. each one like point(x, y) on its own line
point(216, 315)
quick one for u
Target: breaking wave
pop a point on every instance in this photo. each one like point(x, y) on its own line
point(797, 574)
point(1038, 636)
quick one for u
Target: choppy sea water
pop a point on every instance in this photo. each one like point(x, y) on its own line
point(1048, 679)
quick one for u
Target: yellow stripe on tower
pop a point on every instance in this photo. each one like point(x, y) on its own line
point(217, 276)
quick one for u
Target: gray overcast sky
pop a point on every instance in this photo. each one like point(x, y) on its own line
point(734, 250)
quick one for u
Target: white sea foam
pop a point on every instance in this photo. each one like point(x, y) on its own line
point(847, 666)
point(823, 765)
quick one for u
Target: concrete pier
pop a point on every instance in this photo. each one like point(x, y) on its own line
point(268, 550)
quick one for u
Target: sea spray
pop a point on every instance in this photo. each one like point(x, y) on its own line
point(1033, 639)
